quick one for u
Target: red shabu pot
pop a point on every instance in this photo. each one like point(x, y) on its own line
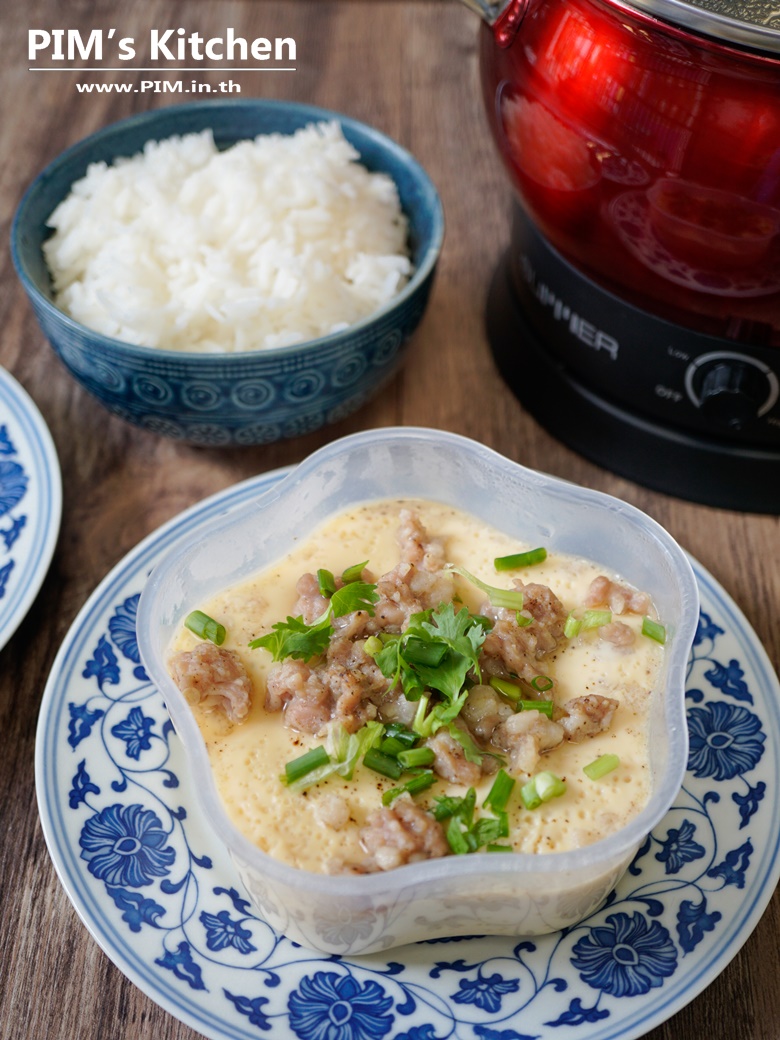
point(637, 311)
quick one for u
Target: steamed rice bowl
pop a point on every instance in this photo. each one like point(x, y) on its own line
point(274, 241)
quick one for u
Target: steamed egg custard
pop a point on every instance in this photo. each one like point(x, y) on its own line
point(409, 683)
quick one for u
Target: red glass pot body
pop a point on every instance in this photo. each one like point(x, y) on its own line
point(649, 157)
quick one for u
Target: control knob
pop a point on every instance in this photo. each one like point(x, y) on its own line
point(732, 390)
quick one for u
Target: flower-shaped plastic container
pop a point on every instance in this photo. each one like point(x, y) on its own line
point(457, 895)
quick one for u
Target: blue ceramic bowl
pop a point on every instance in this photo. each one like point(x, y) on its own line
point(258, 396)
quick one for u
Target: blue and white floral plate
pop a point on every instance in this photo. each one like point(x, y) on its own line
point(30, 503)
point(165, 904)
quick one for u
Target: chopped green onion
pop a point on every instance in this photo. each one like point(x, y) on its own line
point(529, 795)
point(305, 764)
point(337, 741)
point(446, 806)
point(205, 627)
point(326, 583)
point(415, 785)
point(390, 746)
point(596, 618)
point(418, 652)
point(346, 748)
point(512, 599)
point(572, 626)
point(514, 692)
point(503, 824)
point(601, 766)
point(523, 559)
point(509, 689)
point(542, 683)
point(399, 732)
point(420, 725)
point(522, 620)
point(464, 834)
point(498, 795)
point(419, 756)
point(383, 764)
point(450, 805)
point(499, 848)
point(486, 830)
point(548, 786)
point(541, 788)
point(456, 838)
point(467, 804)
point(653, 630)
point(373, 646)
point(545, 707)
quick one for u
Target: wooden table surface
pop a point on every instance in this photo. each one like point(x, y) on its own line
point(409, 68)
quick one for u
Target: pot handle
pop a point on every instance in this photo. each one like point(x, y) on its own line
point(503, 16)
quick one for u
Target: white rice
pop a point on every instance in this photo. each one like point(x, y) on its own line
point(272, 242)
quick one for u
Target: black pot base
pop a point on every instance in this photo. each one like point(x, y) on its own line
point(698, 469)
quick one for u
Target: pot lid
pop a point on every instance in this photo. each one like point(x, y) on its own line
point(747, 23)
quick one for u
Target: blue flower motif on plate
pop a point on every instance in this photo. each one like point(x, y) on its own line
point(121, 628)
point(181, 963)
point(138, 909)
point(223, 931)
point(679, 848)
point(706, 630)
point(626, 956)
point(425, 1032)
point(125, 845)
point(13, 485)
point(725, 740)
point(734, 866)
point(14, 482)
point(252, 1008)
point(337, 1007)
point(135, 731)
point(5, 574)
point(485, 993)
point(103, 664)
point(12, 533)
point(6, 442)
point(693, 921)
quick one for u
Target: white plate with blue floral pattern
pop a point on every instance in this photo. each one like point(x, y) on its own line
point(30, 503)
point(165, 904)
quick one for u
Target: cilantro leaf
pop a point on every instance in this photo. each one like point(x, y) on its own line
point(294, 638)
point(393, 664)
point(436, 651)
point(357, 595)
point(354, 572)
point(460, 635)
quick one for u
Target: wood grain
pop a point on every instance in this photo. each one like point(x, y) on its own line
point(409, 68)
